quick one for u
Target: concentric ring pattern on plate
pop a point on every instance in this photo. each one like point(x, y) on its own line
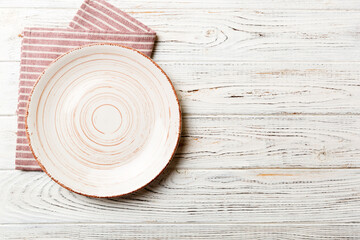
point(103, 120)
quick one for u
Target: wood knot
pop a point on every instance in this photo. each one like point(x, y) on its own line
point(321, 156)
point(209, 32)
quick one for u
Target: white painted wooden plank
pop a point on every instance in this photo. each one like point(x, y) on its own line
point(192, 196)
point(218, 35)
point(9, 81)
point(267, 88)
point(249, 142)
point(191, 4)
point(7, 142)
point(178, 231)
point(270, 142)
point(244, 88)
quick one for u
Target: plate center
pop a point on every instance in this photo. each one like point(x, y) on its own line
point(106, 119)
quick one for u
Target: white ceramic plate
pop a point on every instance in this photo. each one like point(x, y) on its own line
point(103, 120)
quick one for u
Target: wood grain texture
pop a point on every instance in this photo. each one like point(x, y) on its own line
point(9, 80)
point(270, 142)
point(271, 71)
point(243, 88)
point(267, 88)
point(210, 142)
point(191, 4)
point(176, 231)
point(192, 196)
point(8, 126)
point(220, 35)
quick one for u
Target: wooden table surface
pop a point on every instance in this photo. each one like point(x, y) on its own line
point(270, 92)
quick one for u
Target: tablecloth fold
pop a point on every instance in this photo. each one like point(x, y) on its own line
point(95, 22)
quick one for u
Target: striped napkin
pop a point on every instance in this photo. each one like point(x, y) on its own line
point(95, 22)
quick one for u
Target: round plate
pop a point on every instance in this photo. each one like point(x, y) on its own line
point(103, 120)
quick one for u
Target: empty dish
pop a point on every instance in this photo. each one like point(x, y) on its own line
point(103, 120)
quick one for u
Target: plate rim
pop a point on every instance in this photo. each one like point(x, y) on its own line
point(76, 49)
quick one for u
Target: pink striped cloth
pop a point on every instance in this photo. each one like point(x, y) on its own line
point(95, 22)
